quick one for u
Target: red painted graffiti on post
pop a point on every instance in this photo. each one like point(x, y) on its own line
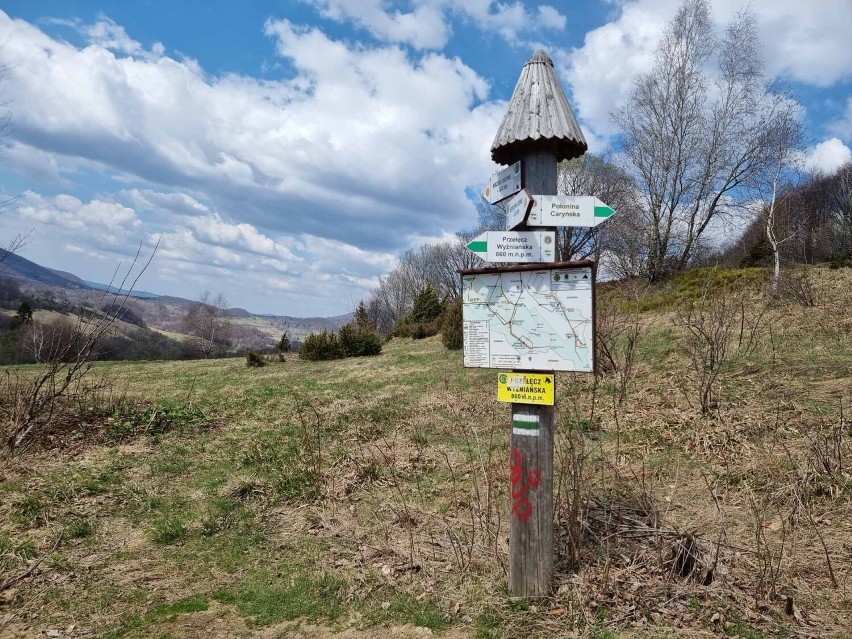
point(521, 505)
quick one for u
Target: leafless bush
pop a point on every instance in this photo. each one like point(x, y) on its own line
point(797, 286)
point(33, 402)
point(617, 334)
point(625, 522)
point(719, 325)
point(830, 451)
point(769, 552)
point(572, 497)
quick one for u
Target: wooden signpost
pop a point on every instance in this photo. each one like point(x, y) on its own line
point(538, 131)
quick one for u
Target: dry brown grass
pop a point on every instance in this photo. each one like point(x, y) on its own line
point(691, 525)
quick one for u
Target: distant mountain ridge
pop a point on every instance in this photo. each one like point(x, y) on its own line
point(160, 311)
point(19, 268)
point(109, 288)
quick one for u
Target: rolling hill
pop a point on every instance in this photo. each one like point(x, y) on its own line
point(64, 291)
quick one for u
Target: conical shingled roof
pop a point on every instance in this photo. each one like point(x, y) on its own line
point(538, 116)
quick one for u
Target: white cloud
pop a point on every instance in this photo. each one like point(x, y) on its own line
point(109, 35)
point(355, 146)
point(509, 19)
point(427, 25)
point(198, 249)
point(68, 212)
point(828, 156)
point(808, 46)
point(550, 18)
point(179, 203)
point(33, 163)
point(422, 28)
point(842, 127)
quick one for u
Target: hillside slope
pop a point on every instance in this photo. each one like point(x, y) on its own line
point(368, 497)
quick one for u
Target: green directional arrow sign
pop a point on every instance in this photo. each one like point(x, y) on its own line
point(603, 212)
point(568, 210)
point(515, 246)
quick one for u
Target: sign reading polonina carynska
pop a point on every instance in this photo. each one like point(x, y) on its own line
point(568, 210)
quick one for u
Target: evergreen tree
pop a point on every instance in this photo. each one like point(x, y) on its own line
point(452, 335)
point(23, 316)
point(361, 319)
point(427, 306)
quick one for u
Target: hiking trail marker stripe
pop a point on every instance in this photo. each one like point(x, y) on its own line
point(525, 425)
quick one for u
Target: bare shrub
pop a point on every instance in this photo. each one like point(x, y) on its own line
point(617, 332)
point(572, 496)
point(769, 551)
point(719, 325)
point(829, 452)
point(797, 286)
point(33, 402)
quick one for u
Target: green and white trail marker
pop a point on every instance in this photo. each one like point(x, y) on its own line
point(515, 246)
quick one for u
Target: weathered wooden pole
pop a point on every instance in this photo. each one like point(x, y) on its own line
point(539, 129)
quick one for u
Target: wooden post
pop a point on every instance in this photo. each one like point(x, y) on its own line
point(531, 454)
point(539, 129)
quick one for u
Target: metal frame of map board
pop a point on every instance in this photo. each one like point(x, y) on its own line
point(551, 266)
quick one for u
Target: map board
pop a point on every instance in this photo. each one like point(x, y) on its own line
point(529, 318)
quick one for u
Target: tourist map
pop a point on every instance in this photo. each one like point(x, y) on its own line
point(529, 320)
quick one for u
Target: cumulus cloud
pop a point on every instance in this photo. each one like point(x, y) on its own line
point(828, 156)
point(68, 212)
point(33, 163)
point(423, 28)
point(354, 147)
point(179, 203)
point(427, 25)
point(197, 248)
point(811, 47)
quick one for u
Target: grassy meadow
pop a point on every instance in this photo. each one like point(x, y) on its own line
point(368, 497)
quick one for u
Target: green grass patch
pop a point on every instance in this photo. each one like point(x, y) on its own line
point(168, 530)
point(162, 613)
point(688, 285)
point(78, 529)
point(487, 626)
point(129, 419)
point(404, 608)
point(265, 599)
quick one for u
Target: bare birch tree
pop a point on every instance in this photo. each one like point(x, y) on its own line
point(206, 324)
point(693, 139)
point(782, 145)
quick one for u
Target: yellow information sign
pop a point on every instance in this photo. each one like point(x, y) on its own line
point(525, 388)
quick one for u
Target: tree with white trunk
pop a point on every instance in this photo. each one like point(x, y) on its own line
point(695, 130)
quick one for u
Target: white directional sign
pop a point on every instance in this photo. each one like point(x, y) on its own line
point(503, 183)
point(568, 210)
point(516, 209)
point(515, 246)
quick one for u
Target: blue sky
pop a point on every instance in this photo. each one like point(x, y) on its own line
point(286, 153)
